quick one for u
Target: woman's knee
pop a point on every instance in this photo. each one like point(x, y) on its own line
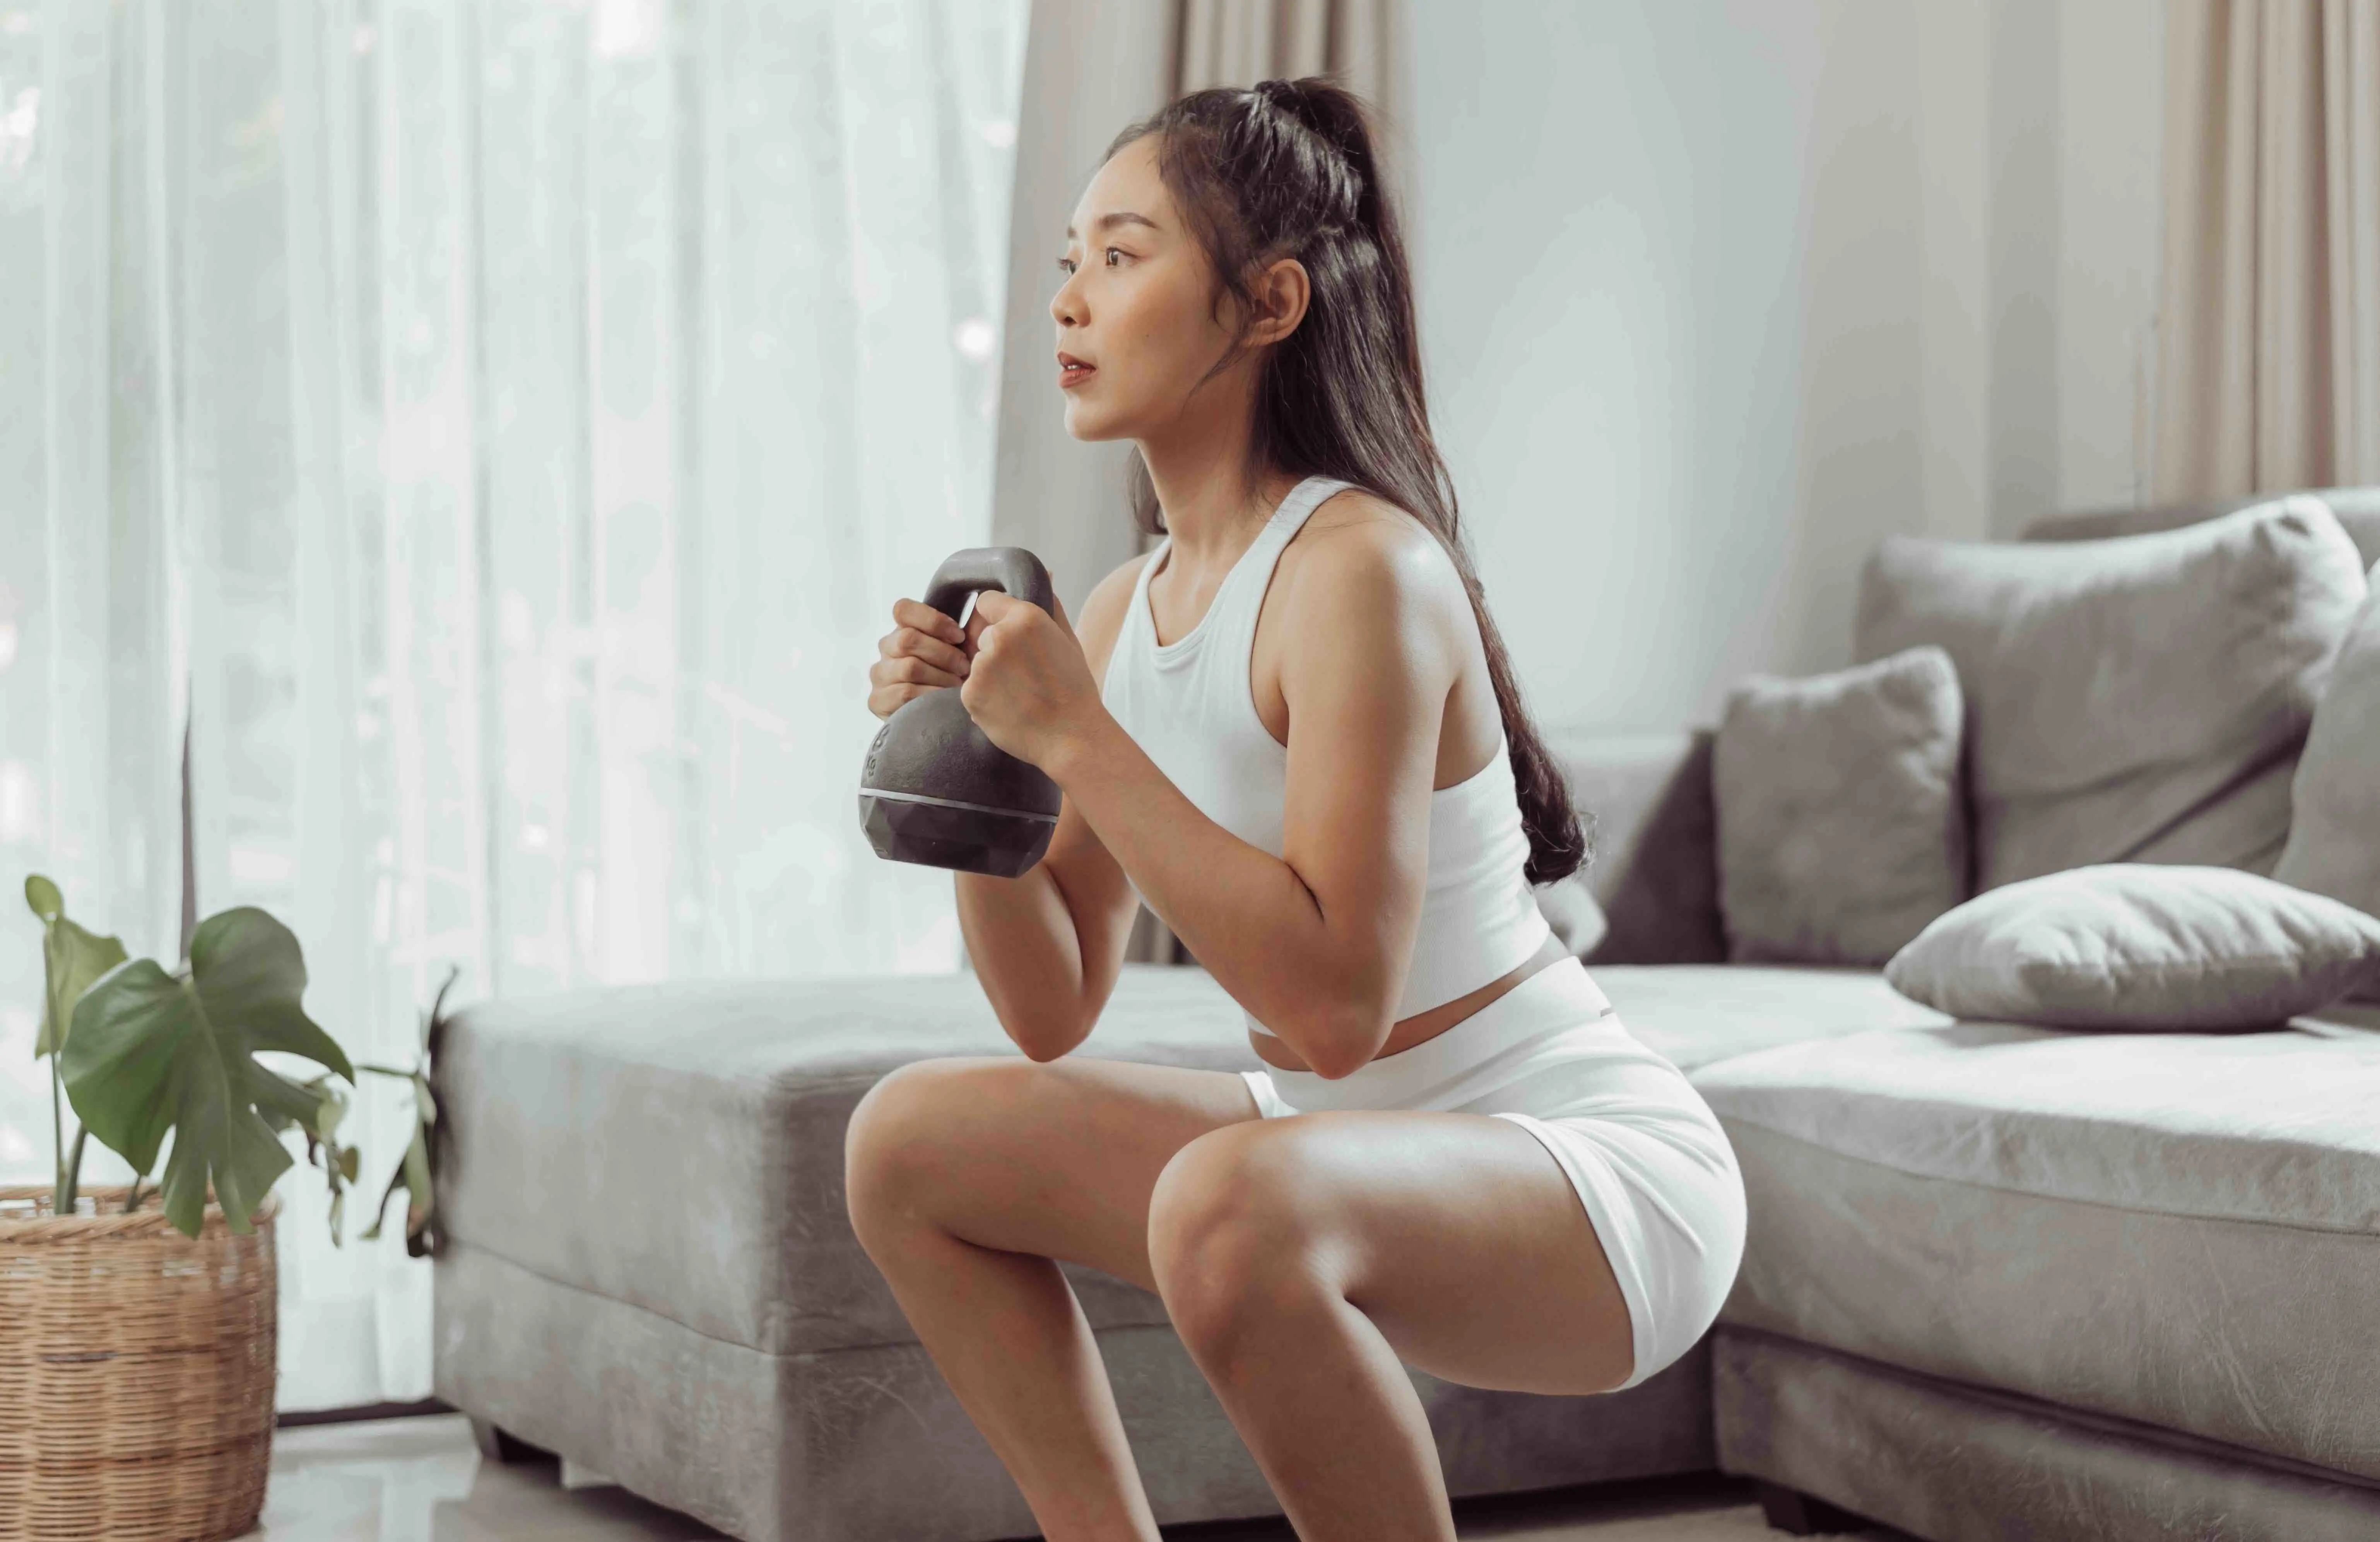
point(1235, 1229)
point(896, 1150)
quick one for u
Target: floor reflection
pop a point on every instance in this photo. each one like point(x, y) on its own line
point(421, 1480)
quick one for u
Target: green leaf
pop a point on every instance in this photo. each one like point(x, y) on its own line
point(379, 1211)
point(151, 1053)
point(413, 1176)
point(250, 970)
point(71, 960)
point(123, 1063)
point(414, 1172)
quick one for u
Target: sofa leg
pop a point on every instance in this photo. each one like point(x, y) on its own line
point(1800, 1515)
point(496, 1445)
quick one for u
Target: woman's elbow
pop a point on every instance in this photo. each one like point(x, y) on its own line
point(1347, 1041)
point(1045, 1036)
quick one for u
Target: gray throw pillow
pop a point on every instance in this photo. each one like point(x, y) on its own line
point(2139, 698)
point(2126, 945)
point(1841, 828)
point(2334, 845)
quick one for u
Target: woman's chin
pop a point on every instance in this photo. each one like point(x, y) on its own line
point(1089, 425)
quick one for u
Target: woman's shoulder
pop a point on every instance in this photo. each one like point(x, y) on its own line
point(1358, 546)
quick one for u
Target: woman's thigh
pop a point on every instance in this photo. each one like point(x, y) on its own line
point(1457, 1235)
point(1051, 1157)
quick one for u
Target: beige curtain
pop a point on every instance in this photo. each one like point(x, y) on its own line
point(2269, 368)
point(1238, 42)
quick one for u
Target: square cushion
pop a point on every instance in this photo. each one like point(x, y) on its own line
point(2179, 1229)
point(1842, 830)
point(2139, 698)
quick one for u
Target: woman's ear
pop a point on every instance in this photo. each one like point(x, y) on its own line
point(1281, 294)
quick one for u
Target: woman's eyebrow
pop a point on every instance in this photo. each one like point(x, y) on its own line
point(1123, 217)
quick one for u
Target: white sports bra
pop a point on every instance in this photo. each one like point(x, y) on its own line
point(1188, 704)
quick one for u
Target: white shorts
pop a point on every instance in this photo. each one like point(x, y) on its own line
point(1646, 1156)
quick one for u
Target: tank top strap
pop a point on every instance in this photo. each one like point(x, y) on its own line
point(1302, 500)
point(1254, 576)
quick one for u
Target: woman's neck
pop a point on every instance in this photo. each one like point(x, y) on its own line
point(1212, 509)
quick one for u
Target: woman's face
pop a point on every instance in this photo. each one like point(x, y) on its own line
point(1134, 305)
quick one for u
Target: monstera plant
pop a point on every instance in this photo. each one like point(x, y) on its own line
point(141, 1050)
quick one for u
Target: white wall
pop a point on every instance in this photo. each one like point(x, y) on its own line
point(1715, 292)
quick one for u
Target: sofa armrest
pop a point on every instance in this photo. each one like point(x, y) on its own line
point(1653, 834)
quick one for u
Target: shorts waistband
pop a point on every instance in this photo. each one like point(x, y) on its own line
point(1562, 995)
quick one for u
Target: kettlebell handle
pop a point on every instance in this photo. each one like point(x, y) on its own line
point(1013, 570)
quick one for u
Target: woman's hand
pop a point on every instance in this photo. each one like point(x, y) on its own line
point(925, 651)
point(1028, 686)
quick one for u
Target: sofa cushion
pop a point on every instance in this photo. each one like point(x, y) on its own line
point(2139, 698)
point(1841, 828)
point(1646, 800)
point(1697, 1014)
point(2180, 1229)
point(2129, 945)
point(2334, 846)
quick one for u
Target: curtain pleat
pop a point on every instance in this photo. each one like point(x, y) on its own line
point(2269, 323)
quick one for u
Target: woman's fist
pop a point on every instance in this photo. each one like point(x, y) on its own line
point(1028, 683)
point(925, 650)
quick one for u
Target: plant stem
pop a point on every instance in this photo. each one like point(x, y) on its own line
point(74, 1175)
point(58, 1200)
point(132, 1200)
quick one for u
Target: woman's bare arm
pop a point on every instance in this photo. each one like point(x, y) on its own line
point(1314, 943)
point(1049, 944)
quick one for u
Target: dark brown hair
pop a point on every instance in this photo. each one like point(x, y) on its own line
point(1285, 169)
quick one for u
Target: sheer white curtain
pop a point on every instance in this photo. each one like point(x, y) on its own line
point(502, 425)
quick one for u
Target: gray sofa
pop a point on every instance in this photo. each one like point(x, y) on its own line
point(1999, 1281)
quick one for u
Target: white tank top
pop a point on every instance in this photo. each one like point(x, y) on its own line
point(1189, 705)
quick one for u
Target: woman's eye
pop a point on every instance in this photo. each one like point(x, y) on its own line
point(1066, 264)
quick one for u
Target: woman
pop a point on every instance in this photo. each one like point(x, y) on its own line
point(1292, 728)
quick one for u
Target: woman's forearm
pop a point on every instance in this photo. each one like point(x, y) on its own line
point(1022, 938)
point(1244, 913)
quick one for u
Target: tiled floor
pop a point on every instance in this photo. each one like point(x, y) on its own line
point(421, 1480)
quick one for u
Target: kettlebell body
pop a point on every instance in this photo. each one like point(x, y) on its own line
point(935, 790)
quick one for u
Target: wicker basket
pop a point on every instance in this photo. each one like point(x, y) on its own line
point(135, 1372)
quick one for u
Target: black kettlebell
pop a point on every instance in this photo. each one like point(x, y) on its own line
point(936, 791)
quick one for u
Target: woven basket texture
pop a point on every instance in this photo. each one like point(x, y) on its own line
point(135, 1372)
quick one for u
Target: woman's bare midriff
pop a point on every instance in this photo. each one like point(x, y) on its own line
point(1421, 1027)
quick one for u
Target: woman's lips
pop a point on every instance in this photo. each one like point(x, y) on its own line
point(1074, 374)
